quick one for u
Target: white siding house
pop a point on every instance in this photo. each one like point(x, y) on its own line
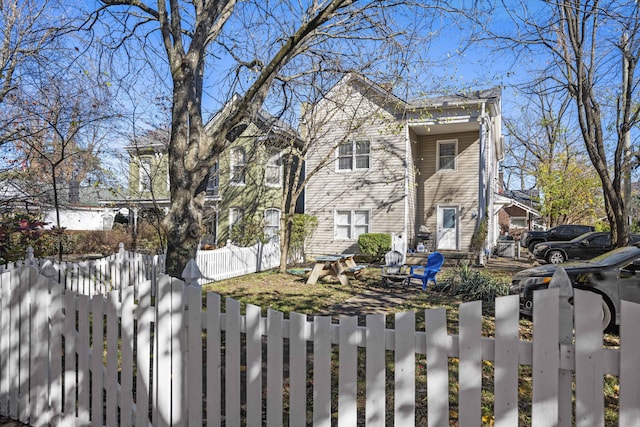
point(390, 166)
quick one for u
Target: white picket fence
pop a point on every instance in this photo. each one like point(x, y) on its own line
point(126, 268)
point(71, 359)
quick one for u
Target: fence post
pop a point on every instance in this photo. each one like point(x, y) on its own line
point(561, 280)
point(193, 349)
point(29, 258)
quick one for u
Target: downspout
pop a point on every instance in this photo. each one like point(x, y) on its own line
point(407, 153)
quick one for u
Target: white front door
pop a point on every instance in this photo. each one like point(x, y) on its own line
point(447, 236)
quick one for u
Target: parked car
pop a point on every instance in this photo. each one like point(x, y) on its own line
point(585, 246)
point(615, 275)
point(564, 232)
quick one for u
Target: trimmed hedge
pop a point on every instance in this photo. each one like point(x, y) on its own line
point(374, 244)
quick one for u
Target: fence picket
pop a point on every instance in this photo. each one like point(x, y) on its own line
point(177, 342)
point(5, 343)
point(232, 363)
point(54, 312)
point(144, 312)
point(505, 379)
point(437, 367)
point(97, 364)
point(194, 393)
point(275, 341)
point(545, 357)
point(163, 344)
point(297, 369)
point(348, 372)
point(214, 392)
point(126, 357)
point(375, 370)
point(254, 364)
point(82, 350)
point(589, 372)
point(629, 365)
point(405, 369)
point(322, 371)
point(111, 378)
point(470, 374)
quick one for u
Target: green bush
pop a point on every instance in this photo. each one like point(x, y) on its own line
point(374, 244)
point(248, 231)
point(469, 284)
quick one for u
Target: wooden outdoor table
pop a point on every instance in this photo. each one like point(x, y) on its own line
point(332, 265)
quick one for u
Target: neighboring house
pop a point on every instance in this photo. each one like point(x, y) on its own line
point(247, 180)
point(400, 167)
point(514, 217)
point(83, 208)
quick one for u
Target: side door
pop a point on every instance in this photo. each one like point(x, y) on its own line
point(447, 233)
point(594, 246)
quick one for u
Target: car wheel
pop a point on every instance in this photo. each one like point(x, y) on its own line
point(608, 315)
point(555, 257)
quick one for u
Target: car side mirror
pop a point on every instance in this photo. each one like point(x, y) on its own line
point(584, 243)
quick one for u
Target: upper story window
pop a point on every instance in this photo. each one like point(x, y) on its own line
point(272, 223)
point(354, 155)
point(214, 179)
point(273, 168)
point(144, 175)
point(237, 166)
point(447, 154)
point(349, 224)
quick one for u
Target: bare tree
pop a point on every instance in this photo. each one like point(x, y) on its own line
point(544, 151)
point(578, 46)
point(60, 133)
point(30, 29)
point(271, 45)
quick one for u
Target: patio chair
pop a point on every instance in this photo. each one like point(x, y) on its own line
point(394, 270)
point(427, 273)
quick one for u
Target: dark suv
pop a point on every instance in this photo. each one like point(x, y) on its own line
point(586, 246)
point(563, 232)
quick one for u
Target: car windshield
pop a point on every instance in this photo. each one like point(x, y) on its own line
point(616, 256)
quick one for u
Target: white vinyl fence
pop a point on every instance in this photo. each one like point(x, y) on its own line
point(71, 359)
point(126, 268)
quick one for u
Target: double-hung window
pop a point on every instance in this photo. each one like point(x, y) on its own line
point(238, 165)
point(353, 155)
point(447, 153)
point(272, 223)
point(214, 180)
point(273, 168)
point(349, 224)
point(144, 175)
point(235, 217)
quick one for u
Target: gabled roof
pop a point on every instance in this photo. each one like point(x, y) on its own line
point(505, 202)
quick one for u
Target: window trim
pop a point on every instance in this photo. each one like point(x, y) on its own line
point(277, 226)
point(242, 166)
point(352, 225)
point(213, 184)
point(455, 155)
point(270, 155)
point(354, 155)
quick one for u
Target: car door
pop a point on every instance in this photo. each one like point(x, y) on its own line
point(594, 246)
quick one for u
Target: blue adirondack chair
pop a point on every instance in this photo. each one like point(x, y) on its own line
point(427, 273)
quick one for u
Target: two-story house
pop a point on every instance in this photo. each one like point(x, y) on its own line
point(427, 167)
point(247, 180)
